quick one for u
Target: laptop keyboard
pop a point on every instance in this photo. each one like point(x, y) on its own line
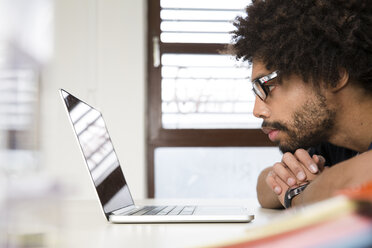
point(165, 210)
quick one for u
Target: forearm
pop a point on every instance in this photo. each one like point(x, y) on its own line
point(351, 173)
point(266, 197)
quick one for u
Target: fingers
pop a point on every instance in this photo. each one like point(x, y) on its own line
point(282, 171)
point(320, 161)
point(293, 170)
point(294, 165)
point(272, 183)
point(284, 188)
point(280, 178)
point(304, 158)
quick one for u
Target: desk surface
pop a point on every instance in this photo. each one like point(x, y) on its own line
point(68, 223)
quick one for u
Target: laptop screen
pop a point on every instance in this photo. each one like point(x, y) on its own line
point(99, 154)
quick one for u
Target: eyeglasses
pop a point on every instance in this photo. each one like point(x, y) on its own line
point(260, 86)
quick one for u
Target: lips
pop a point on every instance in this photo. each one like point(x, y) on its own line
point(272, 133)
point(267, 130)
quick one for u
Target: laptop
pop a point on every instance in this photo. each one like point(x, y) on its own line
point(110, 184)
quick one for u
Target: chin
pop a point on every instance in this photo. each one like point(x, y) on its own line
point(287, 148)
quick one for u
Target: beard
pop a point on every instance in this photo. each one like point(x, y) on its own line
point(312, 124)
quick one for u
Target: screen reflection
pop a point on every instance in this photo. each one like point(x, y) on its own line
point(99, 154)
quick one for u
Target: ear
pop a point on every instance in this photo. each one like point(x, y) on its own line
point(343, 81)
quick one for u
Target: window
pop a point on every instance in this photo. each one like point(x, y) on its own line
point(25, 46)
point(205, 91)
point(19, 108)
point(199, 97)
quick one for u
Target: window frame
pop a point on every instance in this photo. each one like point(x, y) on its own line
point(156, 135)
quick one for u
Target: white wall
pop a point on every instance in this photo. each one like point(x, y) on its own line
point(99, 55)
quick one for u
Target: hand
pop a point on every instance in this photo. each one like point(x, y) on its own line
point(293, 170)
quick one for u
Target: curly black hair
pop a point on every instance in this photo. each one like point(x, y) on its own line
point(314, 39)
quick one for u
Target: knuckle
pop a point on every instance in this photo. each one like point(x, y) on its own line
point(270, 174)
point(286, 156)
point(267, 180)
point(299, 152)
point(270, 181)
point(277, 166)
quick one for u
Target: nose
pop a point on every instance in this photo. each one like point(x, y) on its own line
point(260, 109)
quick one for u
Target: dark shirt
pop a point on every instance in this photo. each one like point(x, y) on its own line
point(370, 147)
point(333, 154)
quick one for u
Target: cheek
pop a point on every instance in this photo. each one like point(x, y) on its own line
point(285, 103)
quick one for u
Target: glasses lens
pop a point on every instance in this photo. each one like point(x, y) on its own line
point(259, 91)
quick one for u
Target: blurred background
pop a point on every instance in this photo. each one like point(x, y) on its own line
point(96, 50)
point(111, 54)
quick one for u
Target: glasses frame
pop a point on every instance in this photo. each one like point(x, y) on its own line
point(260, 87)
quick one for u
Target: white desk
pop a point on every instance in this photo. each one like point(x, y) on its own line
point(82, 224)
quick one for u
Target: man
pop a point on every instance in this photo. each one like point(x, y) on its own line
point(312, 76)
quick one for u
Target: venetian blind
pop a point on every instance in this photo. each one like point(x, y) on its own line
point(201, 90)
